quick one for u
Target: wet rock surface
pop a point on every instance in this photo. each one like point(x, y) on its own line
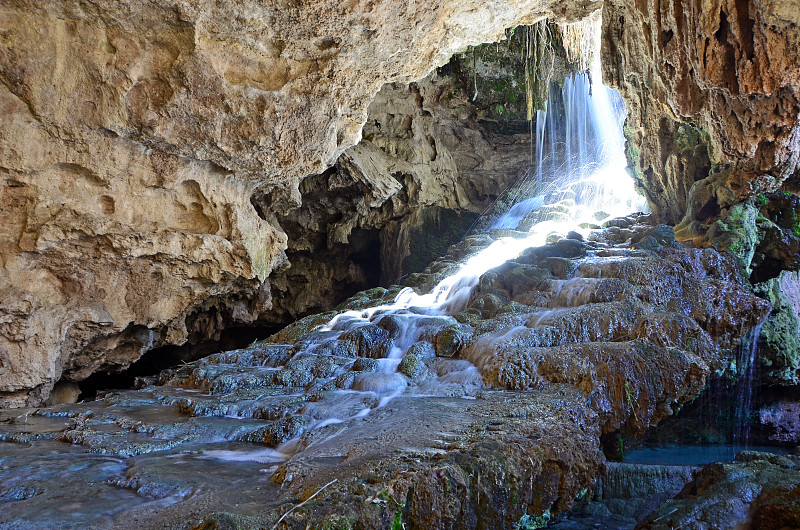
point(493, 417)
point(129, 169)
point(759, 490)
point(136, 166)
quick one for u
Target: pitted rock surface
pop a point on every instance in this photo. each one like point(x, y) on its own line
point(495, 415)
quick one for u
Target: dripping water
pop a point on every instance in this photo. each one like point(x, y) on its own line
point(580, 166)
point(748, 374)
point(717, 425)
point(589, 177)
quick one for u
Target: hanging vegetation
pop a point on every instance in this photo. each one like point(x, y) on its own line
point(539, 59)
point(507, 81)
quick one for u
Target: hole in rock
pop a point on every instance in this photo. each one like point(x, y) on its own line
point(709, 210)
point(158, 359)
point(665, 38)
point(766, 268)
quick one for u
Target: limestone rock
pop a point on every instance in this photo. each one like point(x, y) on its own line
point(707, 84)
point(133, 136)
point(758, 490)
point(781, 421)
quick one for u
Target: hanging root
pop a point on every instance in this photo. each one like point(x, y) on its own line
point(539, 57)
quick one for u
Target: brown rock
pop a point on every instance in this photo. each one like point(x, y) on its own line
point(133, 137)
point(716, 82)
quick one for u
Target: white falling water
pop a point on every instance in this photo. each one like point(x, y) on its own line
point(591, 173)
point(580, 153)
point(747, 370)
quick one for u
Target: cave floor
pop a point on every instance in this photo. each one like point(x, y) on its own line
point(492, 419)
point(187, 468)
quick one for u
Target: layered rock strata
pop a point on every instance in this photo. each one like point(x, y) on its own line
point(492, 419)
point(425, 169)
point(135, 136)
point(757, 491)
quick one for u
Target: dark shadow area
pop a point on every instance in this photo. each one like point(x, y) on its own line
point(154, 361)
point(715, 418)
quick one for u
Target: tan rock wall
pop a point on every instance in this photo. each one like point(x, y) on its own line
point(133, 134)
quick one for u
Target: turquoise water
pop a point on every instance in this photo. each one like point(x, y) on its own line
point(694, 455)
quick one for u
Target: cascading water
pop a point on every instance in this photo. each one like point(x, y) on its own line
point(747, 371)
point(579, 149)
point(556, 345)
point(718, 424)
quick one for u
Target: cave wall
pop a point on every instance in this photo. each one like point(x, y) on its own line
point(134, 134)
point(713, 91)
point(150, 151)
point(428, 164)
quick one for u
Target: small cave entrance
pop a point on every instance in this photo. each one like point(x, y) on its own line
point(349, 230)
point(158, 359)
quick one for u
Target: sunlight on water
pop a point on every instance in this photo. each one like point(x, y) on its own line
point(581, 157)
point(579, 179)
point(588, 164)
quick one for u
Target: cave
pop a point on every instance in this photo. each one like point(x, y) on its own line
point(400, 265)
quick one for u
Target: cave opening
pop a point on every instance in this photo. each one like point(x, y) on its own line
point(474, 290)
point(159, 359)
point(350, 241)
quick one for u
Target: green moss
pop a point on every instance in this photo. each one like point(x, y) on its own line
point(397, 524)
point(779, 344)
point(687, 136)
point(738, 233)
point(508, 81)
point(534, 522)
point(632, 154)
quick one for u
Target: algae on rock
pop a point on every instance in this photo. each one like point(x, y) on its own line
point(780, 337)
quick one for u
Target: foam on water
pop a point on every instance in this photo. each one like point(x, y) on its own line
point(581, 157)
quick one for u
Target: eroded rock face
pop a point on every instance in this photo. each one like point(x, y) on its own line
point(426, 168)
point(134, 136)
point(626, 495)
point(493, 416)
point(108, 247)
point(714, 83)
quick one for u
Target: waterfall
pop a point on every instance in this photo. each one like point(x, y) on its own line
point(586, 177)
point(580, 174)
point(747, 372)
point(541, 124)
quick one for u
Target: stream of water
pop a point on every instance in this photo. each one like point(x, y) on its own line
point(581, 179)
